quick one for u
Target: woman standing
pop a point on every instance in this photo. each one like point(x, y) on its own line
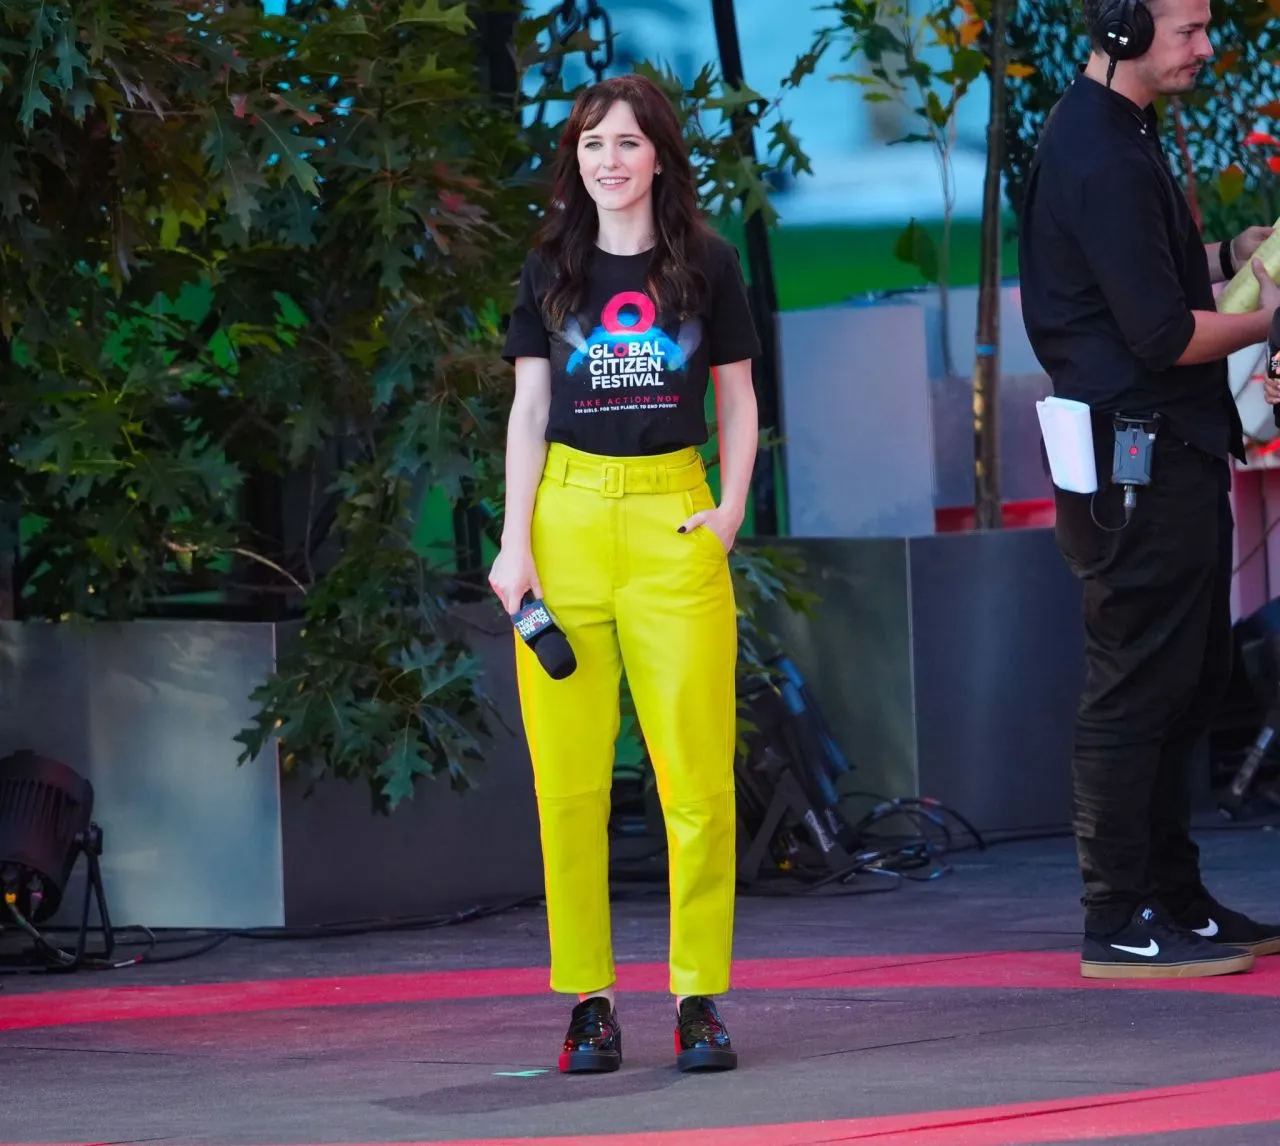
point(624, 307)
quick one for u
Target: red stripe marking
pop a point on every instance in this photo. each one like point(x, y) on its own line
point(1250, 1100)
point(1003, 970)
point(1229, 1102)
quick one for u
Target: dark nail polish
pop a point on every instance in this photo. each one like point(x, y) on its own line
point(680, 530)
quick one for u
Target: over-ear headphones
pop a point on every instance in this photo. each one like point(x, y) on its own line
point(1124, 29)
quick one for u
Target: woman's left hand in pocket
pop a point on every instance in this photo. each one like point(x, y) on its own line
point(722, 522)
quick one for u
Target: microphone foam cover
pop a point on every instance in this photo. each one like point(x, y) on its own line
point(555, 654)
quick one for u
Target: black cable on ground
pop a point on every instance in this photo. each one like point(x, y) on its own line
point(914, 856)
point(892, 859)
point(208, 939)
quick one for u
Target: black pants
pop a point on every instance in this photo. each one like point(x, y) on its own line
point(1157, 620)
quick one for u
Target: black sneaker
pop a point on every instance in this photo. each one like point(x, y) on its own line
point(1220, 925)
point(1153, 947)
point(594, 1041)
point(702, 1039)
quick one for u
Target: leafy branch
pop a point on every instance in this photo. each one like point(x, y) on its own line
point(895, 47)
point(248, 261)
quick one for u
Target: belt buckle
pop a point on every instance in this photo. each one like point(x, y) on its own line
point(614, 479)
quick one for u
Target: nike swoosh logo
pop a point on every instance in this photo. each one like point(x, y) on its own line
point(1210, 931)
point(1150, 951)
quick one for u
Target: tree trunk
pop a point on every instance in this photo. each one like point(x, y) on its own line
point(8, 598)
point(10, 520)
point(986, 367)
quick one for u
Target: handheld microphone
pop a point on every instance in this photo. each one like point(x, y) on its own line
point(538, 629)
point(1273, 346)
point(1273, 358)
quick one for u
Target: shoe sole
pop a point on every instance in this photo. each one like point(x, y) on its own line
point(1265, 947)
point(707, 1058)
point(1201, 968)
point(590, 1062)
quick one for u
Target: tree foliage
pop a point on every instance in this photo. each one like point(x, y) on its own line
point(238, 248)
point(925, 59)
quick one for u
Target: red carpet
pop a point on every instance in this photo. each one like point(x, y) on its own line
point(1218, 1103)
point(1196, 1106)
point(1230, 1102)
point(1002, 971)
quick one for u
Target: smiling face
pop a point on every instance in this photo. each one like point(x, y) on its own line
point(617, 160)
point(1180, 49)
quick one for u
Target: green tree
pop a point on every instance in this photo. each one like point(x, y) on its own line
point(241, 251)
point(895, 45)
point(238, 244)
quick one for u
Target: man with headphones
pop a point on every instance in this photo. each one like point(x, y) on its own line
point(1116, 285)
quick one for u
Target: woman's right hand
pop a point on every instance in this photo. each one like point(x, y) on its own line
point(513, 574)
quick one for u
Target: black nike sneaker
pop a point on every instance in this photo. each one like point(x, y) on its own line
point(702, 1039)
point(1152, 946)
point(1210, 920)
point(594, 1041)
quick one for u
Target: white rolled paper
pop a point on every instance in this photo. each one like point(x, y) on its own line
point(1068, 440)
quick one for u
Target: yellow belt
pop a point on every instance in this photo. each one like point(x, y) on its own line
point(615, 477)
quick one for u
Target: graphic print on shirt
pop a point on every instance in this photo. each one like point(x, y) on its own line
point(627, 361)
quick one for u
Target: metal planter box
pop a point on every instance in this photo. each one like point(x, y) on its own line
point(146, 711)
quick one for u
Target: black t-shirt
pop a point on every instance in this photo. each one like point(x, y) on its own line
point(1111, 266)
point(627, 381)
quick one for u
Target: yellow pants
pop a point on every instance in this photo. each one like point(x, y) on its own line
point(631, 592)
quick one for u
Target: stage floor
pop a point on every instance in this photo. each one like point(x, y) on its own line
point(948, 1013)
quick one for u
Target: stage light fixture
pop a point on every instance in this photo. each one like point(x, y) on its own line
point(46, 824)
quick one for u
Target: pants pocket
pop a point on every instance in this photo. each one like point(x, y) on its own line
point(700, 500)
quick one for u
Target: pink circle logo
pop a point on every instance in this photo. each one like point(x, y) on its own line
point(610, 319)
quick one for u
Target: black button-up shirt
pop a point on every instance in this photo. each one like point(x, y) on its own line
point(1112, 265)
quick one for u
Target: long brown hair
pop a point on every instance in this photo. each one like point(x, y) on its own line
point(568, 237)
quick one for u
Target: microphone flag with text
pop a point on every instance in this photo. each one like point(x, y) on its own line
point(537, 627)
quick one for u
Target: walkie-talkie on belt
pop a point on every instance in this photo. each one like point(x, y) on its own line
point(1131, 466)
